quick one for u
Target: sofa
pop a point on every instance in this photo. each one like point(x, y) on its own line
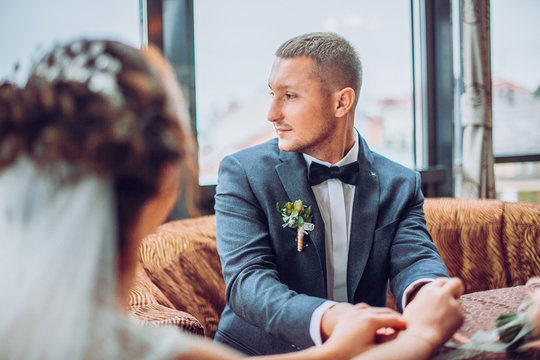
point(490, 244)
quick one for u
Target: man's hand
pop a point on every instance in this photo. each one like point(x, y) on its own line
point(436, 312)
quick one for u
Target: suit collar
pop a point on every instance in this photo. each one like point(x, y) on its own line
point(363, 218)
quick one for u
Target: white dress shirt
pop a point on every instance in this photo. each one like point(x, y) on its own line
point(335, 202)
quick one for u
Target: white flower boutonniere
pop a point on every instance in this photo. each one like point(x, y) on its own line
point(297, 216)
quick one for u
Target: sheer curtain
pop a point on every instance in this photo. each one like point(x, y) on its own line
point(478, 179)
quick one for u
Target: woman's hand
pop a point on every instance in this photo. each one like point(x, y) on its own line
point(534, 285)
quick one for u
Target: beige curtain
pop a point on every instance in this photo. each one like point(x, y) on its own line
point(478, 179)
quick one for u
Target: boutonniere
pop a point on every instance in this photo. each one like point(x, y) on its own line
point(297, 216)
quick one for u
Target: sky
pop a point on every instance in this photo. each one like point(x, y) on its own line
point(253, 29)
point(515, 41)
point(27, 24)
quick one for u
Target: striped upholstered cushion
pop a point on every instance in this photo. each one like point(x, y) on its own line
point(489, 244)
point(183, 266)
point(149, 304)
point(521, 241)
point(468, 236)
point(156, 314)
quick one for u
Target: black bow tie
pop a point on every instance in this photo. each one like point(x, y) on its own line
point(319, 173)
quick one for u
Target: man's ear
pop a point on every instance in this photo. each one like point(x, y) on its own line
point(344, 101)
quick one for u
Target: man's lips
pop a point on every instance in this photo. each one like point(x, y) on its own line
point(282, 130)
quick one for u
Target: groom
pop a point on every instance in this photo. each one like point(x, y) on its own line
point(368, 222)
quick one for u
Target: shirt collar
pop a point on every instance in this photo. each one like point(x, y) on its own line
point(350, 157)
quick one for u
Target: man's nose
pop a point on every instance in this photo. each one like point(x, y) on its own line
point(274, 113)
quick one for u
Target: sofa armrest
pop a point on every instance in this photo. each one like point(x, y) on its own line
point(151, 306)
point(180, 260)
point(158, 315)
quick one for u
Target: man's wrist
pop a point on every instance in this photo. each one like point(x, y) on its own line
point(328, 322)
point(331, 317)
point(412, 290)
point(413, 293)
point(316, 320)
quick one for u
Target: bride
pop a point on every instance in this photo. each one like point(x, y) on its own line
point(91, 153)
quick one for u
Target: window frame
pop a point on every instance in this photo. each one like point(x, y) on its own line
point(433, 84)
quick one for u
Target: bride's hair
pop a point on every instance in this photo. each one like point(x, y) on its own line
point(88, 135)
point(100, 106)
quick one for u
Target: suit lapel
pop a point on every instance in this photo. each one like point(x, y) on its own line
point(292, 172)
point(364, 218)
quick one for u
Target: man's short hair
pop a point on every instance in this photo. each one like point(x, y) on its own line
point(337, 63)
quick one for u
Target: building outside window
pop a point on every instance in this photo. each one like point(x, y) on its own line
point(515, 57)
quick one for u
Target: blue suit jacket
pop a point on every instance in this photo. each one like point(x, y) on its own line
point(271, 288)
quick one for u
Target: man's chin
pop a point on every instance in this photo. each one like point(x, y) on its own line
point(286, 146)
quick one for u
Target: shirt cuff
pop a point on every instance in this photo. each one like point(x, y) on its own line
point(410, 289)
point(315, 323)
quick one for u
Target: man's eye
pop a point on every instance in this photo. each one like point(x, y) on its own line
point(290, 96)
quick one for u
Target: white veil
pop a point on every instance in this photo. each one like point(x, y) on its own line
point(58, 272)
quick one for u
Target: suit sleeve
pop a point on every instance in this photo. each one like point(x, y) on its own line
point(413, 253)
point(253, 287)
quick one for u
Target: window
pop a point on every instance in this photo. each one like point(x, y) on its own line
point(234, 45)
point(29, 24)
point(515, 38)
point(518, 181)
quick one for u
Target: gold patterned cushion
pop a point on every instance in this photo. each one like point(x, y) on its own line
point(489, 244)
point(521, 241)
point(157, 315)
point(181, 259)
point(467, 233)
point(150, 306)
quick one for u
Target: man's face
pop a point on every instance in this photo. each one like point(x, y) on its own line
point(300, 111)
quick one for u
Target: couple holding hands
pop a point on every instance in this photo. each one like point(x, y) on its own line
point(94, 147)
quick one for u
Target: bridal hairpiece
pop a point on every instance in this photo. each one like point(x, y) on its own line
point(86, 63)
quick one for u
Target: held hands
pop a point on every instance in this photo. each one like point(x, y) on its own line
point(354, 328)
point(427, 322)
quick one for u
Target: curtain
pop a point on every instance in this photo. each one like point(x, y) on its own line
point(478, 178)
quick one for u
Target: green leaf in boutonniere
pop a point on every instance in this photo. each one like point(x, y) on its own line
point(297, 216)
